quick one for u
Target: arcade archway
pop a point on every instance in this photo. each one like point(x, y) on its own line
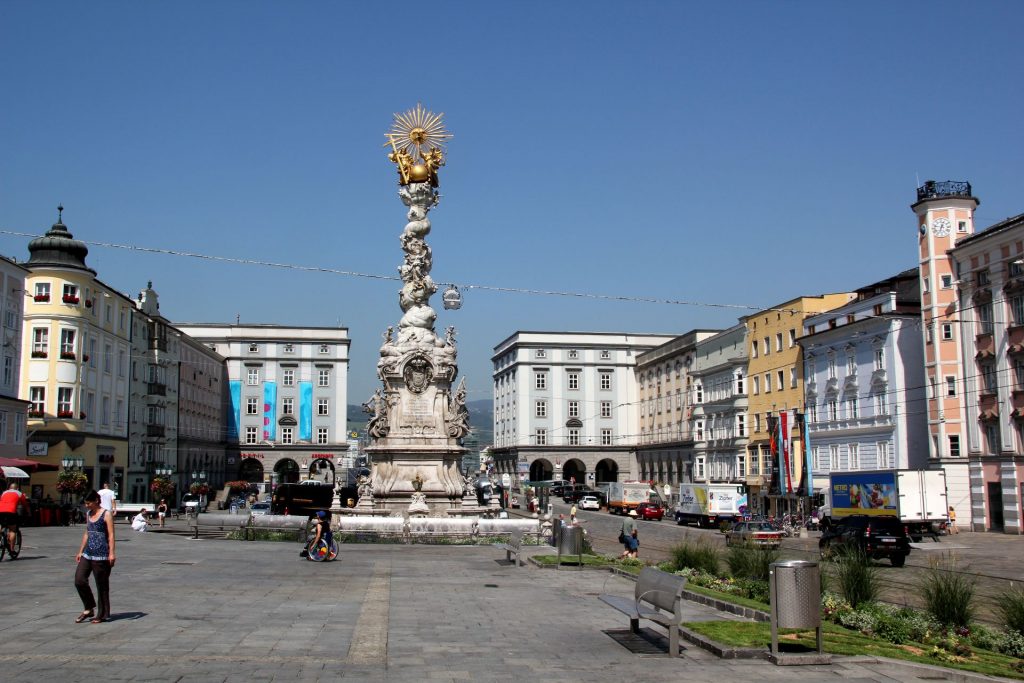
point(541, 470)
point(322, 469)
point(575, 471)
point(251, 470)
point(606, 470)
point(286, 471)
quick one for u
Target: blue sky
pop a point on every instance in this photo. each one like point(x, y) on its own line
point(740, 153)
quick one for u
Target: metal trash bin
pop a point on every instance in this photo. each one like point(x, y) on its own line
point(570, 543)
point(556, 531)
point(795, 590)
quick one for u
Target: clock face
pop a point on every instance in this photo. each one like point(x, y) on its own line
point(940, 226)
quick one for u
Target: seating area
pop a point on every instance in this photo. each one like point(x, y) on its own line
point(658, 598)
point(513, 547)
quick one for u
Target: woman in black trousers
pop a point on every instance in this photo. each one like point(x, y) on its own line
point(96, 556)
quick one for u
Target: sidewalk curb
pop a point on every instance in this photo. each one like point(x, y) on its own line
point(933, 671)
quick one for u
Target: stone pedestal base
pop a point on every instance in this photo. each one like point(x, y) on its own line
point(398, 470)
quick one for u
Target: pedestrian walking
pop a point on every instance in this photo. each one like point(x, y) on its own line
point(628, 537)
point(108, 499)
point(952, 521)
point(572, 514)
point(161, 512)
point(96, 556)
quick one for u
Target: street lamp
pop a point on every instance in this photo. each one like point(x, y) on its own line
point(72, 462)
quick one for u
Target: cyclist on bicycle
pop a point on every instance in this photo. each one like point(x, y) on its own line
point(13, 504)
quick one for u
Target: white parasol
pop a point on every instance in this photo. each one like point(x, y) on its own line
point(11, 472)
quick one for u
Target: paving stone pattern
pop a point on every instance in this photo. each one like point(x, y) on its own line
point(215, 610)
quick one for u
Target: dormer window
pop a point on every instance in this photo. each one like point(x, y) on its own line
point(70, 294)
point(253, 347)
point(289, 348)
point(540, 353)
point(605, 354)
point(324, 348)
point(574, 354)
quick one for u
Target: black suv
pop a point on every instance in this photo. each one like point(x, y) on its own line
point(876, 537)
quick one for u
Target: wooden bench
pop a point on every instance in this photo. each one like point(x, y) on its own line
point(655, 591)
point(513, 547)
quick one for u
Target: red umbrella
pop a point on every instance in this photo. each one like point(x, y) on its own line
point(29, 465)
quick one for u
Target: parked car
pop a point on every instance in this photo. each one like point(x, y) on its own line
point(260, 509)
point(589, 503)
point(755, 533)
point(877, 537)
point(651, 511)
point(186, 499)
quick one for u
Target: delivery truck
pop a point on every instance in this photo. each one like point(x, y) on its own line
point(624, 496)
point(916, 497)
point(708, 505)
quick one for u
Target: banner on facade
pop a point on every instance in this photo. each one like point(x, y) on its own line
point(771, 423)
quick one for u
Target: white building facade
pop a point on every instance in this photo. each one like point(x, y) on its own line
point(719, 419)
point(13, 410)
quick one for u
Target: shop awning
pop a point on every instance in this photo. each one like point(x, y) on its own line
point(29, 465)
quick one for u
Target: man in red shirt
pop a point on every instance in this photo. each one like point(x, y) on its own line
point(10, 501)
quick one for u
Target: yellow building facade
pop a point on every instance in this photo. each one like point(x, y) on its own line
point(776, 384)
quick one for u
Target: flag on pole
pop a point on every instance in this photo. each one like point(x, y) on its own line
point(773, 453)
point(784, 451)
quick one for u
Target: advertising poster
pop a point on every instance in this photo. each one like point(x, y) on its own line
point(870, 493)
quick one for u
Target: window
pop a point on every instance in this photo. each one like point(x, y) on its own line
point(288, 406)
point(881, 404)
point(323, 406)
point(699, 430)
point(753, 349)
point(700, 467)
point(323, 378)
point(541, 408)
point(573, 379)
point(985, 318)
point(757, 422)
point(954, 445)
point(882, 455)
point(251, 405)
point(988, 374)
point(8, 371)
point(961, 226)
point(792, 338)
point(879, 359)
point(767, 382)
point(992, 438)
point(252, 376)
point(606, 381)
point(1018, 371)
point(780, 377)
point(253, 347)
point(741, 466)
point(606, 408)
point(812, 409)
point(67, 344)
point(40, 341)
point(541, 436)
point(741, 425)
point(540, 380)
point(288, 377)
point(92, 352)
point(699, 393)
point(833, 410)
point(42, 294)
point(606, 437)
point(90, 401)
point(37, 398)
point(286, 435)
point(606, 354)
point(767, 346)
point(1017, 309)
point(852, 408)
point(831, 367)
point(322, 434)
point(926, 286)
point(833, 456)
point(950, 385)
point(947, 281)
point(851, 364)
point(778, 341)
point(574, 408)
point(854, 456)
point(574, 354)
point(983, 279)
point(290, 348)
point(64, 407)
point(792, 377)
point(122, 363)
point(108, 358)
point(757, 385)
point(947, 331)
point(574, 436)
point(1016, 268)
point(250, 435)
point(324, 348)
point(105, 410)
point(739, 384)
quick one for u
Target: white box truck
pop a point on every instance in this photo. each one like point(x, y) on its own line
point(916, 497)
point(708, 505)
point(624, 496)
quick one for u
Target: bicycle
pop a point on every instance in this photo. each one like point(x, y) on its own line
point(5, 546)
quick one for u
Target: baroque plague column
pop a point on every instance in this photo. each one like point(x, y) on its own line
point(417, 421)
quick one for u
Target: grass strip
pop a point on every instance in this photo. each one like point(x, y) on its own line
point(728, 597)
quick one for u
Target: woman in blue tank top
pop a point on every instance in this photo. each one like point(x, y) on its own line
point(95, 556)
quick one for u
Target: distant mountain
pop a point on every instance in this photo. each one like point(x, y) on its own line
point(481, 419)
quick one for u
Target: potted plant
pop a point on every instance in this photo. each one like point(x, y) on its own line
point(66, 414)
point(162, 487)
point(68, 299)
point(72, 482)
point(199, 489)
point(41, 298)
point(67, 355)
point(39, 354)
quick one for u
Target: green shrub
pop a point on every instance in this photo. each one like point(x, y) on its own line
point(893, 628)
point(1011, 608)
point(856, 577)
point(1012, 644)
point(699, 554)
point(749, 561)
point(755, 589)
point(948, 594)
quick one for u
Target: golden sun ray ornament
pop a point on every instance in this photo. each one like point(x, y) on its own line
point(417, 139)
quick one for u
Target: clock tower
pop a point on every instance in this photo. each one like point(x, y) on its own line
point(945, 214)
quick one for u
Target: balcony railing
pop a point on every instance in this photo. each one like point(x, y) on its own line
point(154, 430)
point(156, 389)
point(945, 188)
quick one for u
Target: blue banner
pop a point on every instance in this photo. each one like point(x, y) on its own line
point(306, 411)
point(235, 414)
point(269, 411)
